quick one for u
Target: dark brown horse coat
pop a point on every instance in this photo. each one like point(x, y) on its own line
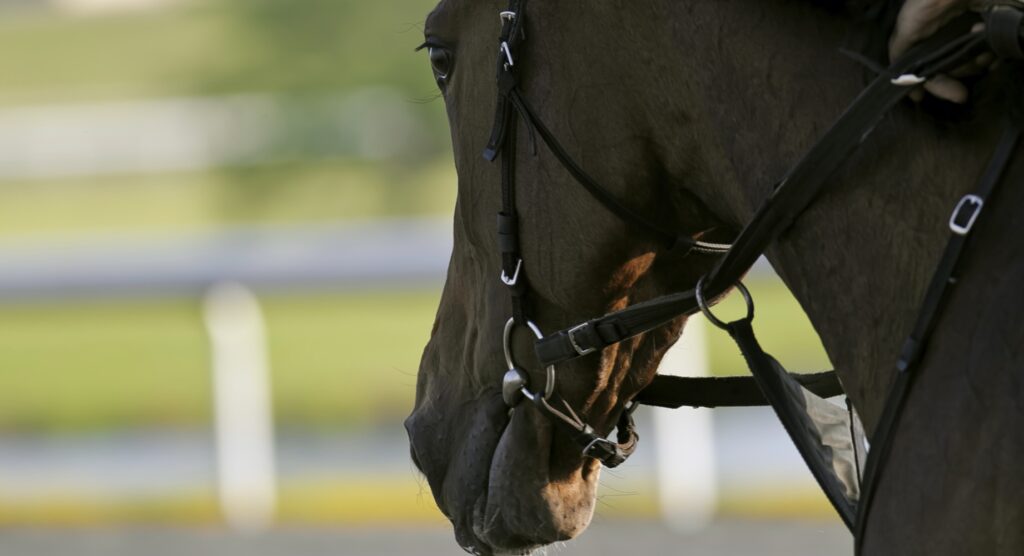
point(688, 110)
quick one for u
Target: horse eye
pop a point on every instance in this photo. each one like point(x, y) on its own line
point(441, 62)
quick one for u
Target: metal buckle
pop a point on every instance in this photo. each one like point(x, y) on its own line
point(507, 16)
point(508, 54)
point(975, 206)
point(515, 275)
point(572, 339)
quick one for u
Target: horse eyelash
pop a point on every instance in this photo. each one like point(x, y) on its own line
point(429, 43)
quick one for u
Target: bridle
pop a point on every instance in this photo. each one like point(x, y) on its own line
point(515, 386)
point(769, 382)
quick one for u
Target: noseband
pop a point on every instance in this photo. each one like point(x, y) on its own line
point(769, 382)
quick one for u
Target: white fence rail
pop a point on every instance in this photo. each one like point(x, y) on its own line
point(380, 253)
point(243, 417)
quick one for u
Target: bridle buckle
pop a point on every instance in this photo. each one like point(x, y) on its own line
point(510, 282)
point(605, 451)
point(575, 345)
point(961, 222)
point(507, 51)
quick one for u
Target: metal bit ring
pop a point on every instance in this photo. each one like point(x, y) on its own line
point(549, 386)
point(706, 309)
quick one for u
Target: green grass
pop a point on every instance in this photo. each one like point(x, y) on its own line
point(347, 358)
point(338, 359)
point(100, 364)
point(328, 190)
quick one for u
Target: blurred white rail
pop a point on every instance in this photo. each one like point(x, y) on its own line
point(684, 441)
point(399, 252)
point(195, 133)
point(244, 428)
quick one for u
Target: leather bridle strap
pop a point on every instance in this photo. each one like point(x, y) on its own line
point(961, 223)
point(728, 391)
point(509, 107)
point(803, 184)
point(503, 139)
point(510, 102)
point(669, 240)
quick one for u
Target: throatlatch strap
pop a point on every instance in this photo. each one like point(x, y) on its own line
point(961, 224)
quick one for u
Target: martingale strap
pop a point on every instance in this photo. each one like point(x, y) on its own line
point(819, 429)
point(828, 437)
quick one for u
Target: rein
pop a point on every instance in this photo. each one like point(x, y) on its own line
point(797, 399)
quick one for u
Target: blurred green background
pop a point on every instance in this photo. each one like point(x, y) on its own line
point(306, 57)
point(350, 128)
point(93, 364)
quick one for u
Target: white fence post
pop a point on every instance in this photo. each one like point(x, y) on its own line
point(684, 443)
point(242, 410)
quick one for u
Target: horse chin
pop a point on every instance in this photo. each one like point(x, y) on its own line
point(533, 498)
point(506, 487)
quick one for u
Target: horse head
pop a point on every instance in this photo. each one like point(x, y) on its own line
point(507, 478)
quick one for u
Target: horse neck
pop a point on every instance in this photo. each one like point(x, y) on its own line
point(859, 259)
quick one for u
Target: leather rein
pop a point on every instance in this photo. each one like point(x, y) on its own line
point(769, 383)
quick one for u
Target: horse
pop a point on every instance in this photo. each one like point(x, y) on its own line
point(687, 111)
